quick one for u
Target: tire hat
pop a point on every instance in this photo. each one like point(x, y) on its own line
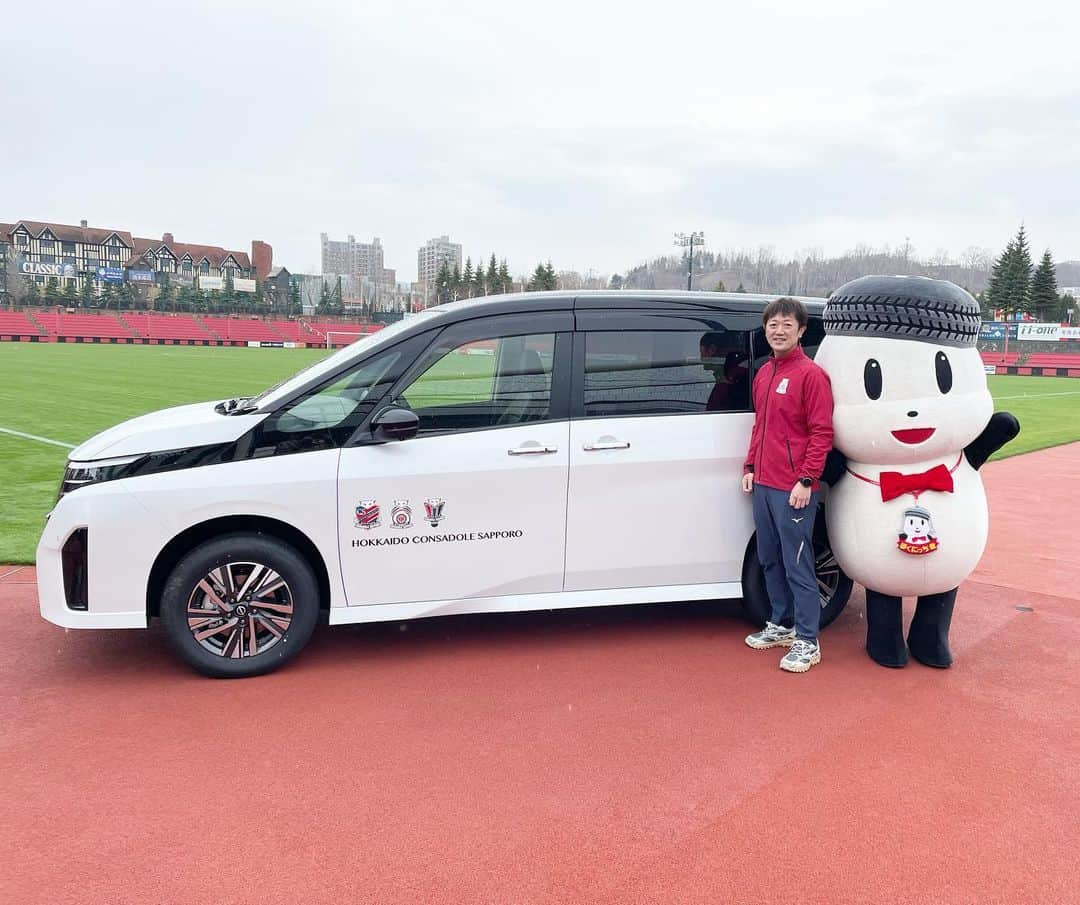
point(915, 308)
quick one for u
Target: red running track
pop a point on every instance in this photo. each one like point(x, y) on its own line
point(612, 756)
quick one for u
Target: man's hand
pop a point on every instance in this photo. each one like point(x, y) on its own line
point(799, 497)
point(748, 482)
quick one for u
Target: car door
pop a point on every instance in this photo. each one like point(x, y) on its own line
point(661, 422)
point(475, 504)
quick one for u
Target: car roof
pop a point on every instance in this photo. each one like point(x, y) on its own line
point(566, 300)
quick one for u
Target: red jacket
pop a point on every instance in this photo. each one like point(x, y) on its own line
point(793, 431)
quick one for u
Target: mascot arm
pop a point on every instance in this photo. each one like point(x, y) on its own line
point(835, 463)
point(1001, 428)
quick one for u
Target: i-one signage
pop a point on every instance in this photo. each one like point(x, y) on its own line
point(110, 274)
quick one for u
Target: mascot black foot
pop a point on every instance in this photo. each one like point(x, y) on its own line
point(885, 630)
point(928, 637)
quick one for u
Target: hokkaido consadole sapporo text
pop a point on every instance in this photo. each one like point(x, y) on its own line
point(436, 538)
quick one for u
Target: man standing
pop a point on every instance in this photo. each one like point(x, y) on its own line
point(791, 437)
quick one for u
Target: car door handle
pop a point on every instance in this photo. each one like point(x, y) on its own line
point(606, 442)
point(532, 448)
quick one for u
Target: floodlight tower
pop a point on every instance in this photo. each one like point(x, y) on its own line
point(689, 241)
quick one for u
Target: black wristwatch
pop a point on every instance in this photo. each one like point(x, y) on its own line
point(806, 482)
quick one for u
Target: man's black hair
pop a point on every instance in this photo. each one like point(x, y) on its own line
point(785, 307)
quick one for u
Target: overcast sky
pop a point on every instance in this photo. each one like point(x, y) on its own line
point(581, 131)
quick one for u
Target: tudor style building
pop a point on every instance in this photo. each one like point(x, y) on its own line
point(52, 250)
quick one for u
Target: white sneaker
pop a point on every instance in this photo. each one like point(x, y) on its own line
point(802, 656)
point(772, 635)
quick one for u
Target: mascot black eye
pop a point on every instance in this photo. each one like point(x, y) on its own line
point(944, 372)
point(871, 378)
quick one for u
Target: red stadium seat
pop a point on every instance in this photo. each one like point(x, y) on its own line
point(16, 323)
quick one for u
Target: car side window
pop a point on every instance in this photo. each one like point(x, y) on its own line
point(326, 417)
point(496, 382)
point(815, 333)
point(659, 372)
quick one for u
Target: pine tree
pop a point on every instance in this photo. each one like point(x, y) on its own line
point(505, 282)
point(442, 283)
point(740, 288)
point(539, 278)
point(479, 284)
point(52, 291)
point(71, 295)
point(296, 305)
point(455, 283)
point(1020, 273)
point(720, 287)
point(616, 281)
point(550, 280)
point(997, 290)
point(86, 293)
point(125, 296)
point(467, 278)
point(33, 293)
point(493, 277)
point(1044, 294)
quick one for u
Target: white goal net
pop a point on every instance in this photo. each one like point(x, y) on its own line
point(335, 338)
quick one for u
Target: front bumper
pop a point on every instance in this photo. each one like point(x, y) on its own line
point(116, 591)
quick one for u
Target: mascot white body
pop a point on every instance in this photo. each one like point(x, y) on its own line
point(913, 420)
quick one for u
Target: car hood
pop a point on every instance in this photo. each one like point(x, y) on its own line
point(173, 428)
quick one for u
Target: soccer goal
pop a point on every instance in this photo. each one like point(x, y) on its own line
point(336, 338)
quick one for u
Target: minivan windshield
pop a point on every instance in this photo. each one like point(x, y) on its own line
point(331, 363)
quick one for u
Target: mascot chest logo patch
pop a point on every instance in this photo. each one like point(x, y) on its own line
point(917, 535)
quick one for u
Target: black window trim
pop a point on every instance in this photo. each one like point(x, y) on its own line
point(250, 445)
point(649, 320)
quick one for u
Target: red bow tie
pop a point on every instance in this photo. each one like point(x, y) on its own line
point(894, 484)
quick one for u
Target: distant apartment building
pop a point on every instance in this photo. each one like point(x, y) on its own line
point(361, 261)
point(430, 257)
point(44, 251)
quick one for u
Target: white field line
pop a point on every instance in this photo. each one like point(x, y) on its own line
point(1040, 395)
point(8, 430)
point(11, 572)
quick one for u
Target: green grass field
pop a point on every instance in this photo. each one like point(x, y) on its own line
point(70, 392)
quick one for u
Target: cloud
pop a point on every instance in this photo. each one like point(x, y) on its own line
point(565, 131)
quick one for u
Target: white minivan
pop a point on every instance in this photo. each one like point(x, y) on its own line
point(518, 452)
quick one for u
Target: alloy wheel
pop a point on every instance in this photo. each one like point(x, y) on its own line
point(827, 570)
point(240, 609)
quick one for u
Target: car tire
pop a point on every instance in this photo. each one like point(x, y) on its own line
point(240, 605)
point(834, 586)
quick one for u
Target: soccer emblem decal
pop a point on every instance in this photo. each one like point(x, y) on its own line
point(433, 511)
point(367, 514)
point(917, 535)
point(401, 514)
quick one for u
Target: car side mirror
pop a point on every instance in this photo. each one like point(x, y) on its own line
point(395, 424)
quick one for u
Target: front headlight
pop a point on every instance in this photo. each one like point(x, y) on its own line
point(79, 474)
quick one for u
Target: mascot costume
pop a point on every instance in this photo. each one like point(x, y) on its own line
point(913, 422)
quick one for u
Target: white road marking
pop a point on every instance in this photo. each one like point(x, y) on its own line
point(1040, 395)
point(8, 430)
